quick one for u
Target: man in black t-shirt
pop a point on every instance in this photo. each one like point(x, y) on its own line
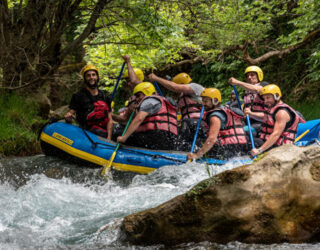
point(91, 106)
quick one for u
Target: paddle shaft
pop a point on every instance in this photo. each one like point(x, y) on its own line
point(118, 80)
point(158, 88)
point(237, 96)
point(247, 117)
point(197, 131)
point(117, 147)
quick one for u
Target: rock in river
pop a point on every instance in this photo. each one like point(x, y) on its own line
point(276, 199)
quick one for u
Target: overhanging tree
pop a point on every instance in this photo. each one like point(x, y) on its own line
point(251, 31)
point(31, 47)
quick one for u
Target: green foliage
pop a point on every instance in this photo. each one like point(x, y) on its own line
point(196, 191)
point(314, 64)
point(305, 22)
point(148, 31)
point(220, 20)
point(217, 74)
point(310, 111)
point(210, 169)
point(156, 33)
point(306, 19)
point(18, 135)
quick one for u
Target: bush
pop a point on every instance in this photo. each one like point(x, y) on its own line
point(17, 117)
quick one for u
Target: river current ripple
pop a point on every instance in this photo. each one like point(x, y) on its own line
point(47, 203)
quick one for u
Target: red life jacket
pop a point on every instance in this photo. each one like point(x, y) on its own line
point(165, 119)
point(98, 117)
point(189, 108)
point(289, 133)
point(254, 101)
point(232, 132)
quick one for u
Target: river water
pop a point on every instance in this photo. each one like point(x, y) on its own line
point(47, 203)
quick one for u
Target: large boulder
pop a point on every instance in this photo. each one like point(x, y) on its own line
point(276, 199)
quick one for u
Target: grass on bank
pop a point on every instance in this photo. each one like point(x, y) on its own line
point(18, 130)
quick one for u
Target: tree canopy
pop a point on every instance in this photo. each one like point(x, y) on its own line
point(210, 38)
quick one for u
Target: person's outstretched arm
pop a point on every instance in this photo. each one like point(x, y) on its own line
point(247, 86)
point(178, 88)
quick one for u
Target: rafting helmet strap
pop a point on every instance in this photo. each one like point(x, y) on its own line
point(215, 101)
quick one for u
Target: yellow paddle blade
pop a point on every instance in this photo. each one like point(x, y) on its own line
point(103, 172)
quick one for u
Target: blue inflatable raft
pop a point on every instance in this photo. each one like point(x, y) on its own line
point(310, 132)
point(67, 140)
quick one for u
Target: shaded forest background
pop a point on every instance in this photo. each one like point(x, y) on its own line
point(44, 44)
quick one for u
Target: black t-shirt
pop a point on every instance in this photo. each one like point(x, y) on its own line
point(82, 103)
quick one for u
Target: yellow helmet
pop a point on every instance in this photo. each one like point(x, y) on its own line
point(87, 68)
point(182, 78)
point(271, 89)
point(138, 73)
point(213, 93)
point(146, 88)
point(255, 69)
